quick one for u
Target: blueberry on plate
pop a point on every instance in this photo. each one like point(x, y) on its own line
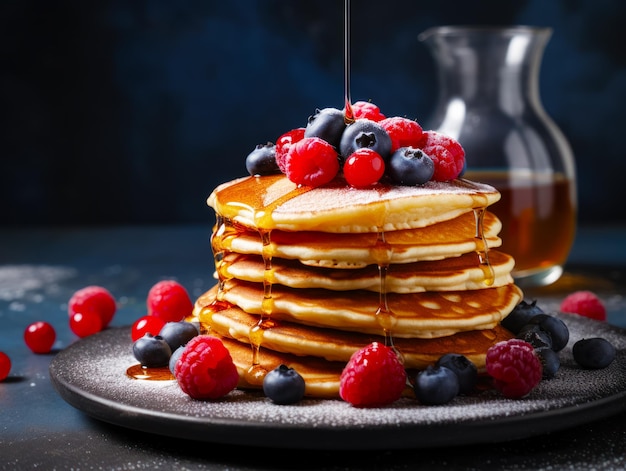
point(465, 370)
point(550, 361)
point(283, 385)
point(436, 385)
point(521, 315)
point(594, 353)
point(559, 333)
point(177, 334)
point(152, 351)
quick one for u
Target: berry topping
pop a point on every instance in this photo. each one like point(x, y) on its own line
point(364, 133)
point(436, 385)
point(521, 315)
point(146, 325)
point(152, 351)
point(446, 153)
point(363, 168)
point(535, 335)
point(5, 366)
point(550, 361)
point(464, 369)
point(262, 160)
point(169, 300)
point(366, 110)
point(93, 299)
point(327, 124)
point(373, 377)
point(177, 334)
point(556, 328)
point(514, 367)
point(409, 166)
point(284, 385)
point(39, 337)
point(85, 324)
point(403, 132)
point(312, 162)
point(584, 303)
point(283, 144)
point(205, 369)
point(594, 353)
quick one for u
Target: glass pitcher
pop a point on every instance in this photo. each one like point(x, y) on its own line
point(489, 101)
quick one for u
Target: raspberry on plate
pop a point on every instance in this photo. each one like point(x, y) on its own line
point(205, 369)
point(514, 367)
point(311, 162)
point(584, 303)
point(169, 301)
point(373, 377)
point(446, 153)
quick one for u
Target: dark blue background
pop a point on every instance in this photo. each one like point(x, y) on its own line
point(132, 111)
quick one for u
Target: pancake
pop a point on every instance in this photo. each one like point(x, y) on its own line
point(274, 202)
point(346, 250)
point(451, 274)
point(415, 315)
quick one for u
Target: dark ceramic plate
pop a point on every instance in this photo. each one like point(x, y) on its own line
point(91, 376)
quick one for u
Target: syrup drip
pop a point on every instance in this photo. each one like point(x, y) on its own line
point(348, 114)
point(481, 248)
point(384, 315)
point(154, 374)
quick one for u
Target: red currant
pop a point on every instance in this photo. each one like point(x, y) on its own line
point(39, 337)
point(84, 324)
point(146, 324)
point(5, 366)
point(363, 168)
point(169, 300)
point(93, 299)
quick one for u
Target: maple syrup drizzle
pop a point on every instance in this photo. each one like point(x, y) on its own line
point(348, 114)
point(385, 317)
point(154, 374)
point(482, 250)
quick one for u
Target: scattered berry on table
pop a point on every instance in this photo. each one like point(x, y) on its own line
point(374, 376)
point(284, 385)
point(403, 132)
point(367, 110)
point(410, 166)
point(447, 155)
point(85, 323)
point(39, 337)
point(93, 299)
point(146, 325)
point(5, 366)
point(262, 160)
point(363, 168)
point(364, 133)
point(594, 353)
point(312, 162)
point(327, 124)
point(205, 369)
point(169, 300)
point(152, 351)
point(465, 370)
point(177, 334)
point(283, 143)
point(584, 303)
point(550, 361)
point(521, 315)
point(436, 385)
point(555, 327)
point(514, 367)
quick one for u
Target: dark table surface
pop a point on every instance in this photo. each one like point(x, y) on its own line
point(41, 268)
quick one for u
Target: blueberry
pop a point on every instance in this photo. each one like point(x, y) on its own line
point(535, 335)
point(152, 351)
point(177, 334)
point(594, 353)
point(327, 124)
point(465, 370)
point(521, 315)
point(550, 361)
point(436, 385)
point(262, 160)
point(409, 166)
point(174, 358)
point(559, 333)
point(365, 133)
point(283, 385)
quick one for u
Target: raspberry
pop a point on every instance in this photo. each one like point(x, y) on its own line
point(403, 132)
point(363, 168)
point(446, 153)
point(584, 303)
point(284, 142)
point(39, 337)
point(514, 367)
point(205, 369)
point(367, 110)
point(373, 377)
point(169, 301)
point(93, 300)
point(312, 162)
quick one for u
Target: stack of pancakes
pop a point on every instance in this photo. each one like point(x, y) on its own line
point(307, 276)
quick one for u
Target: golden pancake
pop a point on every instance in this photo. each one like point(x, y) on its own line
point(417, 315)
point(445, 239)
point(274, 202)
